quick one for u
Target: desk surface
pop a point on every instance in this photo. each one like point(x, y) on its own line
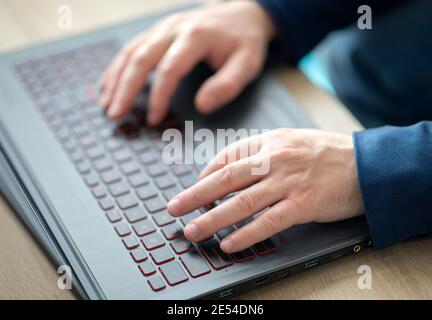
point(26, 272)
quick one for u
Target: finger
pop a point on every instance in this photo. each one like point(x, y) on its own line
point(180, 58)
point(239, 69)
point(240, 149)
point(231, 178)
point(134, 76)
point(236, 209)
point(279, 217)
point(110, 76)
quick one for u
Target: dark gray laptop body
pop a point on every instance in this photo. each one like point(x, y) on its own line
point(44, 188)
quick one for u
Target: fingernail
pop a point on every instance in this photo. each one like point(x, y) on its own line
point(227, 245)
point(113, 111)
point(174, 206)
point(192, 232)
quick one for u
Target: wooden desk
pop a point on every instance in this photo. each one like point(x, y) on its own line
point(400, 272)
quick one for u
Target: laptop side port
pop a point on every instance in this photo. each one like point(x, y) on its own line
point(226, 293)
point(283, 274)
point(311, 264)
point(262, 281)
point(357, 248)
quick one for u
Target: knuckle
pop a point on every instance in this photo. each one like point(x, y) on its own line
point(270, 222)
point(227, 176)
point(194, 30)
point(137, 59)
point(245, 201)
point(168, 70)
point(193, 195)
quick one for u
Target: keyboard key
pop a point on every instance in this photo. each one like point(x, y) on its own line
point(146, 192)
point(139, 145)
point(153, 241)
point(102, 164)
point(188, 180)
point(156, 169)
point(122, 156)
point(122, 229)
point(264, 247)
point(225, 232)
point(165, 181)
point(99, 192)
point(118, 189)
point(189, 217)
point(113, 215)
point(129, 168)
point(130, 242)
point(135, 214)
point(88, 141)
point(144, 227)
point(83, 167)
point(244, 255)
point(171, 192)
point(156, 283)
point(217, 258)
point(147, 268)
point(194, 264)
point(109, 177)
point(162, 255)
point(95, 153)
point(173, 273)
point(127, 201)
point(148, 157)
point(172, 231)
point(106, 203)
point(91, 180)
point(155, 204)
point(137, 180)
point(114, 144)
point(138, 255)
point(180, 169)
point(181, 245)
point(163, 218)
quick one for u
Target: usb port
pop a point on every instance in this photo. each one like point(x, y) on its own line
point(226, 293)
point(311, 264)
point(262, 281)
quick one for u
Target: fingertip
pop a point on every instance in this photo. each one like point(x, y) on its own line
point(174, 207)
point(227, 245)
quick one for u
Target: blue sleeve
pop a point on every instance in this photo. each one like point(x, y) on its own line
point(394, 166)
point(302, 24)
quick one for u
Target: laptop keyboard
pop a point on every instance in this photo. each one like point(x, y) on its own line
point(122, 167)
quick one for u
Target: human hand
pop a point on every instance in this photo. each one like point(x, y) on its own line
point(311, 177)
point(232, 37)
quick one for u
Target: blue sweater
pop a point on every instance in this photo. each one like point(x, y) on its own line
point(394, 164)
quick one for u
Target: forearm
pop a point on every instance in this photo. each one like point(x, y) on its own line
point(395, 172)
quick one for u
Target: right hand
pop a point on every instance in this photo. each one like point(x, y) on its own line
point(232, 37)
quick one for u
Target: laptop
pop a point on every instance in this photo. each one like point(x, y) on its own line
point(94, 192)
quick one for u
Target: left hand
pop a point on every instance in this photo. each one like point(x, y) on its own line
point(311, 178)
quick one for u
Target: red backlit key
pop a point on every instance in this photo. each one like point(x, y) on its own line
point(146, 192)
point(135, 214)
point(122, 229)
point(130, 242)
point(173, 273)
point(127, 201)
point(155, 204)
point(172, 231)
point(147, 268)
point(194, 264)
point(138, 255)
point(264, 247)
point(217, 258)
point(163, 218)
point(182, 245)
point(162, 255)
point(244, 255)
point(113, 215)
point(156, 283)
point(144, 227)
point(106, 203)
point(153, 241)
